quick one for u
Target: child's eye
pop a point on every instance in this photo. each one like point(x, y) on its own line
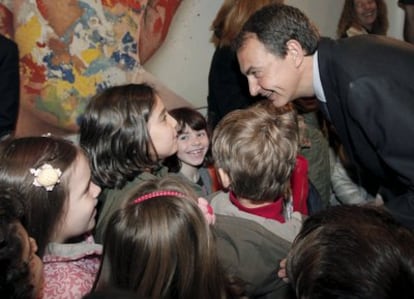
point(182, 137)
point(201, 134)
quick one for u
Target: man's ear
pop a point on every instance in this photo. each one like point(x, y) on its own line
point(224, 178)
point(295, 51)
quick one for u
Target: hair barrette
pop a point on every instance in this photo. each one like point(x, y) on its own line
point(202, 203)
point(158, 194)
point(207, 210)
point(46, 176)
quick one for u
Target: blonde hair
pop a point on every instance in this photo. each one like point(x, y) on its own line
point(231, 17)
point(257, 148)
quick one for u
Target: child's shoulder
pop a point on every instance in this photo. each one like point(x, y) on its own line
point(70, 269)
point(56, 252)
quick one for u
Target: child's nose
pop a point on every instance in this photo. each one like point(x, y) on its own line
point(196, 141)
point(33, 244)
point(96, 190)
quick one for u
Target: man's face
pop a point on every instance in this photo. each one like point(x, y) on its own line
point(268, 75)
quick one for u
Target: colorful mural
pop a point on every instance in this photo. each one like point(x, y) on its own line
point(72, 49)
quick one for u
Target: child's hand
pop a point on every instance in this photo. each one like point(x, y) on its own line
point(282, 271)
point(207, 210)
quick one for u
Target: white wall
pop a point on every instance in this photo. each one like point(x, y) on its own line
point(183, 61)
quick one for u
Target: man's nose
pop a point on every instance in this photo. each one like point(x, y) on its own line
point(254, 88)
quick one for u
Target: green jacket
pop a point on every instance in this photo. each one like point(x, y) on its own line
point(111, 200)
point(250, 252)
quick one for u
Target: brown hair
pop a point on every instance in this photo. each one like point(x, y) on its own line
point(231, 17)
point(43, 209)
point(257, 148)
point(348, 18)
point(162, 247)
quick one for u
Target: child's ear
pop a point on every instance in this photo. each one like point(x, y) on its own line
point(224, 178)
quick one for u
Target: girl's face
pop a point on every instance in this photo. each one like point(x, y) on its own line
point(366, 12)
point(80, 208)
point(32, 259)
point(162, 130)
point(192, 146)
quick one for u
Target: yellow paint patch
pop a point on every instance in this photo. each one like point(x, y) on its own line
point(85, 86)
point(27, 35)
point(90, 55)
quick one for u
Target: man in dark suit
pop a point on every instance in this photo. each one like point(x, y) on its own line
point(364, 85)
point(9, 86)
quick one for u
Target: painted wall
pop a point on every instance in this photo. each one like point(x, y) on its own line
point(183, 61)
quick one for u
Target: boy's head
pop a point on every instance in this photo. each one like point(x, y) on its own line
point(255, 150)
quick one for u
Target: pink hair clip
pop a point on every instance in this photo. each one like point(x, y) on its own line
point(203, 204)
point(207, 210)
point(158, 194)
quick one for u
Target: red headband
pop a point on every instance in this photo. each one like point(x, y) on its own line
point(158, 194)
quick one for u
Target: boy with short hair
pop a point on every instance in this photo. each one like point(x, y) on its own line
point(256, 154)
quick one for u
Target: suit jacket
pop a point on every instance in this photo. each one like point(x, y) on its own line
point(9, 85)
point(368, 82)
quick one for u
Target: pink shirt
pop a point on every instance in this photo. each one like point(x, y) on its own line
point(70, 269)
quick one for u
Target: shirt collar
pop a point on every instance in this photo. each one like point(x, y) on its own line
point(317, 83)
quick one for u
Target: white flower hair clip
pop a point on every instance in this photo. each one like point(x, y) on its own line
point(46, 176)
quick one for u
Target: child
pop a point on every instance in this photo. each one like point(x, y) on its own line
point(54, 178)
point(126, 131)
point(193, 154)
point(255, 152)
point(21, 275)
point(352, 251)
point(159, 245)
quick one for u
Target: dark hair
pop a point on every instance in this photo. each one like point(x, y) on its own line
point(196, 121)
point(231, 17)
point(348, 18)
point(162, 247)
point(15, 273)
point(43, 209)
point(114, 133)
point(274, 25)
point(352, 252)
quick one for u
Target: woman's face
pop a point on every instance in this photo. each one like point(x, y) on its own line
point(366, 12)
point(30, 257)
point(162, 130)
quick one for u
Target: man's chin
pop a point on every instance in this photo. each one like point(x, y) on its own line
point(278, 102)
